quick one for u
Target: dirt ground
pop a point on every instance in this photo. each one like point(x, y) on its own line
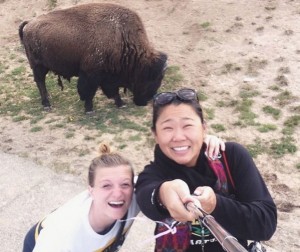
point(256, 42)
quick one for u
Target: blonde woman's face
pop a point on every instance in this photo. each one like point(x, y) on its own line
point(112, 191)
point(180, 133)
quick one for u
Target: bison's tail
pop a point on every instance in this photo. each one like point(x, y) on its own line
point(21, 27)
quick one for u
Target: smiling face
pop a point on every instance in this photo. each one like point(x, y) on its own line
point(111, 193)
point(179, 133)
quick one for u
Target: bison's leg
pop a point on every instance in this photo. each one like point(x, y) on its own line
point(86, 88)
point(118, 101)
point(39, 73)
point(112, 92)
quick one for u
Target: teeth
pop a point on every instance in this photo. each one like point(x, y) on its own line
point(180, 148)
point(117, 202)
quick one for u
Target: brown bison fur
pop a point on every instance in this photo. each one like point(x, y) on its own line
point(104, 45)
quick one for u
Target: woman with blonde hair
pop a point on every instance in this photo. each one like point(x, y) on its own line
point(97, 218)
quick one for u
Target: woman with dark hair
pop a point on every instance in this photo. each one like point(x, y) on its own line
point(180, 174)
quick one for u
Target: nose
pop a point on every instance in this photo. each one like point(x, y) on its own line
point(117, 192)
point(178, 135)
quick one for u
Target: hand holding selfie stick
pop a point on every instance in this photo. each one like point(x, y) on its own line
point(228, 242)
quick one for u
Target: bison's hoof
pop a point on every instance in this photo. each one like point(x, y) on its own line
point(90, 113)
point(47, 108)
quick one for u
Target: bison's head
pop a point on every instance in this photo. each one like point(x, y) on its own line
point(150, 80)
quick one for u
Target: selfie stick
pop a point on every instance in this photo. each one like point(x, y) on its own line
point(228, 242)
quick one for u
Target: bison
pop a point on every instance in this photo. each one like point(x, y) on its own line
point(104, 45)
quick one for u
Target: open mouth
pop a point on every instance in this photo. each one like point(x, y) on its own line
point(116, 204)
point(181, 148)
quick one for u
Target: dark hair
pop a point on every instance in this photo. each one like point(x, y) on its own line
point(157, 109)
point(106, 159)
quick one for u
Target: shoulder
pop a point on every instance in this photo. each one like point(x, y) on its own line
point(238, 156)
point(70, 211)
point(236, 148)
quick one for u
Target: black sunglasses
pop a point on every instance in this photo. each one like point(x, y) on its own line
point(184, 94)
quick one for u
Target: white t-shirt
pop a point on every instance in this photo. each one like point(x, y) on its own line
point(68, 228)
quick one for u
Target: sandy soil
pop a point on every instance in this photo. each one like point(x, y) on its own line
point(258, 39)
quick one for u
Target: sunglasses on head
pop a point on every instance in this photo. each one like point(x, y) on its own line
point(184, 94)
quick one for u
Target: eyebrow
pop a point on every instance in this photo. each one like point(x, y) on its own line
point(183, 118)
point(110, 181)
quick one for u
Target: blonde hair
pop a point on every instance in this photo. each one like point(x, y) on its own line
point(106, 158)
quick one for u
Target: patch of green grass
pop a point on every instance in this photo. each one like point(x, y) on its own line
point(112, 120)
point(83, 152)
point(135, 138)
point(246, 117)
point(205, 25)
point(281, 80)
point(19, 118)
point(36, 129)
point(295, 109)
point(298, 166)
point(245, 94)
point(61, 166)
point(172, 77)
point(69, 135)
point(230, 103)
point(221, 104)
point(257, 148)
point(266, 128)
point(292, 121)
point(283, 146)
point(59, 125)
point(2, 67)
point(52, 4)
point(248, 91)
point(202, 96)
point(284, 98)
point(272, 111)
point(20, 60)
point(230, 68)
point(19, 98)
point(275, 88)
point(52, 120)
point(209, 113)
point(287, 131)
point(18, 71)
point(122, 146)
point(254, 65)
point(36, 119)
point(89, 138)
point(67, 105)
point(218, 127)
point(290, 124)
point(12, 56)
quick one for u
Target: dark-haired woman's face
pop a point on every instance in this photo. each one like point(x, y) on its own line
point(180, 133)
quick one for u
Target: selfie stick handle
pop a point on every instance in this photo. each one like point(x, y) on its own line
point(228, 242)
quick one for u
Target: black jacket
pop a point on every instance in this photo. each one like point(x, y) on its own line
point(249, 215)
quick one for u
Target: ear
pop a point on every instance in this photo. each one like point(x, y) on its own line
point(154, 135)
point(204, 126)
point(91, 191)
